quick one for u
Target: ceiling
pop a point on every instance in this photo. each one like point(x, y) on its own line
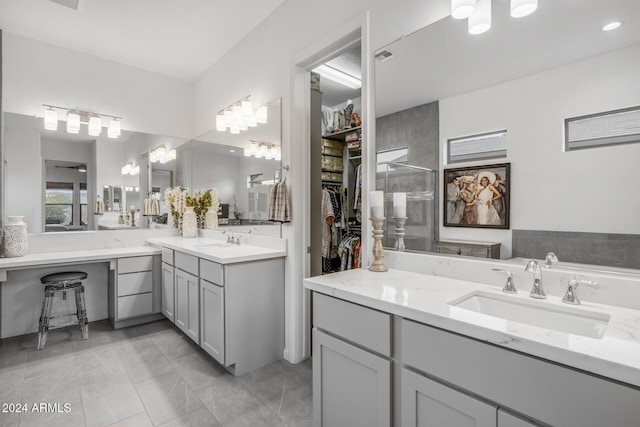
point(444, 60)
point(176, 38)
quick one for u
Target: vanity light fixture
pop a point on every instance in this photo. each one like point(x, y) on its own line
point(77, 117)
point(260, 149)
point(135, 170)
point(240, 116)
point(157, 153)
point(479, 12)
point(126, 169)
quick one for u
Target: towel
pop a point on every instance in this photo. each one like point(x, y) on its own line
point(279, 210)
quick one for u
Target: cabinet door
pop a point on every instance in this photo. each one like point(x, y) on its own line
point(351, 387)
point(168, 292)
point(428, 403)
point(505, 419)
point(212, 320)
point(187, 310)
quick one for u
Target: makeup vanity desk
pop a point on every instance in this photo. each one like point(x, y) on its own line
point(123, 276)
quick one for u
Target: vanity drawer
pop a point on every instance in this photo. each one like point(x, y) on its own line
point(135, 305)
point(185, 262)
point(528, 385)
point(167, 256)
point(361, 325)
point(135, 283)
point(211, 272)
point(134, 264)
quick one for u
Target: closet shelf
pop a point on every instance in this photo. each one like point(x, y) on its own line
point(332, 170)
point(340, 136)
point(332, 155)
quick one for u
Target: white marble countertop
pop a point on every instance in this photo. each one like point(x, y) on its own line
point(86, 255)
point(202, 247)
point(425, 298)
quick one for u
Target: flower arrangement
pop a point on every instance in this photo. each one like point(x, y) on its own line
point(175, 198)
point(202, 201)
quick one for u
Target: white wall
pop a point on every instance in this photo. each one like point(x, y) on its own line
point(263, 64)
point(37, 73)
point(585, 190)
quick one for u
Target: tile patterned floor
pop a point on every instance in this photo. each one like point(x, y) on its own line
point(148, 375)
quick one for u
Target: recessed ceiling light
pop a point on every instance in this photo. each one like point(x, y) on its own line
point(232, 151)
point(612, 26)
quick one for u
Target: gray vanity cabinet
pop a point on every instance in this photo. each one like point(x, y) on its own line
point(168, 291)
point(133, 291)
point(187, 306)
point(212, 309)
point(428, 403)
point(505, 419)
point(352, 365)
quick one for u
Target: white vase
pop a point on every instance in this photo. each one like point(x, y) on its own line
point(211, 220)
point(189, 223)
point(15, 237)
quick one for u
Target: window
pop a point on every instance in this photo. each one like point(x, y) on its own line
point(59, 203)
point(84, 207)
point(490, 145)
point(603, 129)
point(394, 155)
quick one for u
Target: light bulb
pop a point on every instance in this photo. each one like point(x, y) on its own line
point(73, 122)
point(261, 114)
point(50, 119)
point(461, 9)
point(220, 123)
point(114, 128)
point(95, 126)
point(247, 108)
point(521, 8)
point(480, 21)
point(228, 118)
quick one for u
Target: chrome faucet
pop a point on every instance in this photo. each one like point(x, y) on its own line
point(550, 259)
point(509, 287)
point(537, 291)
point(253, 229)
point(571, 297)
point(230, 237)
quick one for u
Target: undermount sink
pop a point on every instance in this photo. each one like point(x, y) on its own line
point(216, 245)
point(535, 313)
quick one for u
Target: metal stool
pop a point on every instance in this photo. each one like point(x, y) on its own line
point(62, 282)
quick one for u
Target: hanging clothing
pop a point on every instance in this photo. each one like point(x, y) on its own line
point(278, 206)
point(357, 194)
point(327, 217)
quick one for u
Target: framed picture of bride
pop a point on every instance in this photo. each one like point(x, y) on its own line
point(477, 196)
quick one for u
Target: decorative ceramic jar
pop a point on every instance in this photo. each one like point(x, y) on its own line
point(189, 223)
point(211, 220)
point(15, 237)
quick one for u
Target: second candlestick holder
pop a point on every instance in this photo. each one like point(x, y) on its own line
point(400, 233)
point(378, 250)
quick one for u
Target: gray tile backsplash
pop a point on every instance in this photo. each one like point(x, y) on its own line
point(614, 250)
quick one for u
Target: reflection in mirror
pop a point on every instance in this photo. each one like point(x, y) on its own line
point(65, 196)
point(224, 161)
point(526, 76)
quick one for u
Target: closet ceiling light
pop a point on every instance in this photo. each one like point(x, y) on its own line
point(461, 9)
point(75, 118)
point(337, 76)
point(521, 8)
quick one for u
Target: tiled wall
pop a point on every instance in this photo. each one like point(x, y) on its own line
point(614, 250)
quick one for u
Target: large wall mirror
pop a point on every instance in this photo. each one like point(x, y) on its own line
point(56, 179)
point(525, 76)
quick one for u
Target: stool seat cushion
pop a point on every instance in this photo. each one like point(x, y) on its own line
point(65, 276)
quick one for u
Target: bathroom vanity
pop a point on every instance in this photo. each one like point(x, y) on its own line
point(227, 298)
point(408, 349)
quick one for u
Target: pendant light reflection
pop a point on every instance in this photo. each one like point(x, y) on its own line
point(50, 119)
point(522, 8)
point(240, 116)
point(461, 9)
